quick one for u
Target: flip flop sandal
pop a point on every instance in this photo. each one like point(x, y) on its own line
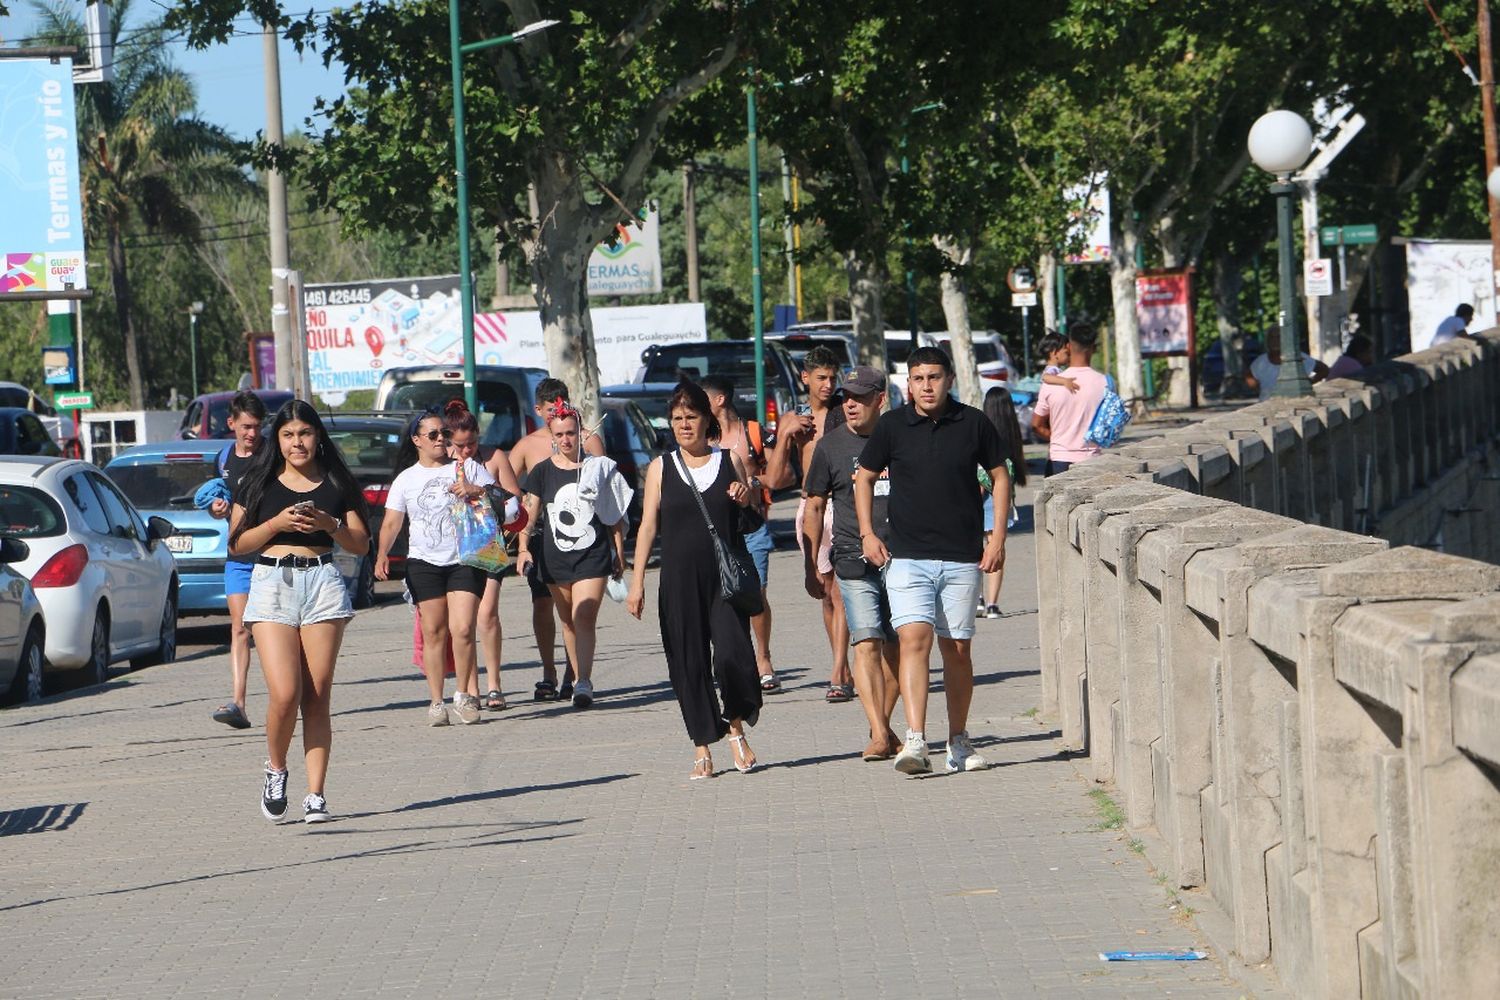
point(838, 693)
point(769, 683)
point(495, 701)
point(545, 691)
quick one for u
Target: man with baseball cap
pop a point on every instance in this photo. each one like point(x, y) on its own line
point(830, 480)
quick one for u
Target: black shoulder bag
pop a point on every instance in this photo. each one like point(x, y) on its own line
point(739, 584)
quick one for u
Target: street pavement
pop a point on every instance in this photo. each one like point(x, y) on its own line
point(550, 852)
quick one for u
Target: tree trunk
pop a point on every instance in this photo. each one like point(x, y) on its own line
point(867, 276)
point(559, 267)
point(955, 295)
point(1229, 280)
point(125, 315)
point(1122, 291)
point(1046, 271)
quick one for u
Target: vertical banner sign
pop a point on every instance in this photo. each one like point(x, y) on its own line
point(1163, 309)
point(632, 266)
point(41, 219)
point(1090, 222)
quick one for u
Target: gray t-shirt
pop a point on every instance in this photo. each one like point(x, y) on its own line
point(830, 473)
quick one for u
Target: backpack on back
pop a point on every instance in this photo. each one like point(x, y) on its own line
point(1109, 419)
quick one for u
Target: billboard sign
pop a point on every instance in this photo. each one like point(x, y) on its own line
point(1164, 311)
point(1090, 221)
point(632, 266)
point(41, 216)
point(358, 330)
point(1441, 275)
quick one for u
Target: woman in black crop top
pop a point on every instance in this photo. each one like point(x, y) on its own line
point(295, 501)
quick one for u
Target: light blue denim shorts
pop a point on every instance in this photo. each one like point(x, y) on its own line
point(297, 597)
point(867, 608)
point(760, 543)
point(941, 594)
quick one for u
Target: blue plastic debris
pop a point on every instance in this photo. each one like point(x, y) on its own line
point(1191, 955)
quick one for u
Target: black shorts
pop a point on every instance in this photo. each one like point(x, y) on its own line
point(426, 581)
point(539, 591)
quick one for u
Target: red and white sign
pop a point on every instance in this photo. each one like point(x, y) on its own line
point(1163, 310)
point(1317, 276)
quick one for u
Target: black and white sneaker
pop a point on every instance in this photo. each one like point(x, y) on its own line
point(315, 809)
point(273, 797)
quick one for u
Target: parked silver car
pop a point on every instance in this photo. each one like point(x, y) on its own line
point(106, 581)
point(22, 628)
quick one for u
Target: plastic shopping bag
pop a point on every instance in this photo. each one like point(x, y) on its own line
point(480, 543)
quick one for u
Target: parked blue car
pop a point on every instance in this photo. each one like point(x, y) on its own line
point(160, 479)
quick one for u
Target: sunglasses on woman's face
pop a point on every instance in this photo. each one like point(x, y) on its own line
point(435, 435)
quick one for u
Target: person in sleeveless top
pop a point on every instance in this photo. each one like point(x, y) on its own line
point(296, 501)
point(704, 637)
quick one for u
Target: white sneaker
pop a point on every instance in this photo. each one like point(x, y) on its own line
point(913, 757)
point(583, 694)
point(437, 714)
point(466, 707)
point(961, 755)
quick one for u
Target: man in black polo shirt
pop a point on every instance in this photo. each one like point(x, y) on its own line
point(932, 449)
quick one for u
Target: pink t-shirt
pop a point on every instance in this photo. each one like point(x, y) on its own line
point(1070, 413)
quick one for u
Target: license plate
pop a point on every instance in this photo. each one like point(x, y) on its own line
point(179, 543)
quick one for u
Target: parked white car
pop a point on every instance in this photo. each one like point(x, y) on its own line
point(22, 630)
point(106, 581)
point(996, 369)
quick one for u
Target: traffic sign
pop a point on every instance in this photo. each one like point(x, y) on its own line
point(74, 401)
point(1022, 299)
point(1021, 278)
point(1317, 276)
point(1361, 235)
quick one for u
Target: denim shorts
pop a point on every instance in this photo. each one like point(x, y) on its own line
point(867, 607)
point(237, 577)
point(760, 543)
point(297, 597)
point(941, 594)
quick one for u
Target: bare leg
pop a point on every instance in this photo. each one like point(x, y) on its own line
point(916, 647)
point(578, 608)
point(320, 654)
point(239, 647)
point(434, 620)
point(463, 611)
point(760, 626)
point(958, 681)
point(743, 755)
point(545, 627)
point(869, 678)
point(890, 663)
point(281, 663)
point(992, 583)
point(838, 629)
point(489, 635)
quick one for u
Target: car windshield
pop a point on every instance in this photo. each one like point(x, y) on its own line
point(896, 351)
point(27, 512)
point(798, 346)
point(156, 485)
point(734, 361)
point(15, 396)
point(499, 411)
point(369, 453)
point(654, 406)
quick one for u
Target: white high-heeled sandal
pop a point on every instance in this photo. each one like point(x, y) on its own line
point(699, 762)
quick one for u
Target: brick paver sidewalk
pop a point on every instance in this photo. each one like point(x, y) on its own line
point(555, 853)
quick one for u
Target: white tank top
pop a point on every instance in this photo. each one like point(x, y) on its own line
point(705, 474)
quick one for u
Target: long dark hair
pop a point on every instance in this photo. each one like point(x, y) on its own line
point(268, 464)
point(406, 453)
point(1001, 410)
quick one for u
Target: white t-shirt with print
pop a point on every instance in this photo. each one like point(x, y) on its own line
point(425, 495)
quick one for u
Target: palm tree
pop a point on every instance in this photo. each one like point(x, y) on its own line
point(142, 153)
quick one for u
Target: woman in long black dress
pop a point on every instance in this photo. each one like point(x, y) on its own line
point(703, 636)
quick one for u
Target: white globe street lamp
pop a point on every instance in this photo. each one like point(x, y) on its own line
point(1279, 143)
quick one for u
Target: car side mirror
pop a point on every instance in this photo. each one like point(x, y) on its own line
point(13, 550)
point(158, 528)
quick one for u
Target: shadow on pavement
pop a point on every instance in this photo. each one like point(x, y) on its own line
point(40, 819)
point(499, 793)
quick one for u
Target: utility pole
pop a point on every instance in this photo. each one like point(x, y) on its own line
point(281, 316)
point(1491, 153)
point(690, 225)
point(791, 251)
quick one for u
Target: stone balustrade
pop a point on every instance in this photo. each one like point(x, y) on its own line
point(1300, 718)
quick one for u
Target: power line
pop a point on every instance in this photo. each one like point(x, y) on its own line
point(226, 238)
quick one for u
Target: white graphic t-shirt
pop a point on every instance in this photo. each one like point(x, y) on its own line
point(424, 495)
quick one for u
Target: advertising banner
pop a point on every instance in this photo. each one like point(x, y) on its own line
point(633, 265)
point(1164, 311)
point(1442, 275)
point(41, 219)
point(358, 330)
point(1091, 221)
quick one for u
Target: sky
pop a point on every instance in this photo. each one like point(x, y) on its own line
point(230, 78)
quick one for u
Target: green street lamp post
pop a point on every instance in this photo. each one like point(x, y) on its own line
point(1280, 142)
point(460, 169)
point(756, 294)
